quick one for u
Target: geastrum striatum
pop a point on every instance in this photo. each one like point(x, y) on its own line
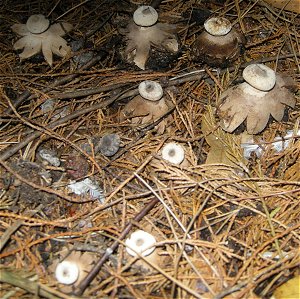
point(70, 271)
point(148, 106)
point(219, 44)
point(143, 32)
point(38, 36)
point(263, 94)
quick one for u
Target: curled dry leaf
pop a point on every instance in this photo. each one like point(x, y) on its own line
point(290, 289)
point(223, 147)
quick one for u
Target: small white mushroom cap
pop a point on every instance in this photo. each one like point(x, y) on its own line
point(173, 152)
point(37, 24)
point(141, 242)
point(67, 272)
point(150, 90)
point(145, 16)
point(218, 26)
point(260, 76)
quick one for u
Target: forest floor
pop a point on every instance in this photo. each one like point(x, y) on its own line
point(226, 224)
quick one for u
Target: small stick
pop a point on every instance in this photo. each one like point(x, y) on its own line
point(7, 153)
point(183, 78)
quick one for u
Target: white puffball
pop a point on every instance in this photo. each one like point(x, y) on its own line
point(173, 152)
point(150, 90)
point(218, 26)
point(260, 76)
point(141, 242)
point(145, 16)
point(37, 24)
point(67, 272)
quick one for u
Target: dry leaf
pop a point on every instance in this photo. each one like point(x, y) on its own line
point(290, 289)
point(291, 5)
point(222, 144)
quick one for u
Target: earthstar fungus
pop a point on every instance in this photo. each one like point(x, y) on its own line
point(219, 44)
point(38, 35)
point(72, 270)
point(263, 94)
point(148, 106)
point(143, 32)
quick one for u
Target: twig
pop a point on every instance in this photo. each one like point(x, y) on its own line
point(164, 204)
point(84, 92)
point(94, 30)
point(183, 78)
point(62, 121)
point(73, 8)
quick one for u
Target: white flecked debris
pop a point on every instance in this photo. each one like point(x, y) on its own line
point(87, 186)
point(279, 144)
point(50, 156)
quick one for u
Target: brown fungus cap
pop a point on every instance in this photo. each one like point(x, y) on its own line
point(219, 44)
